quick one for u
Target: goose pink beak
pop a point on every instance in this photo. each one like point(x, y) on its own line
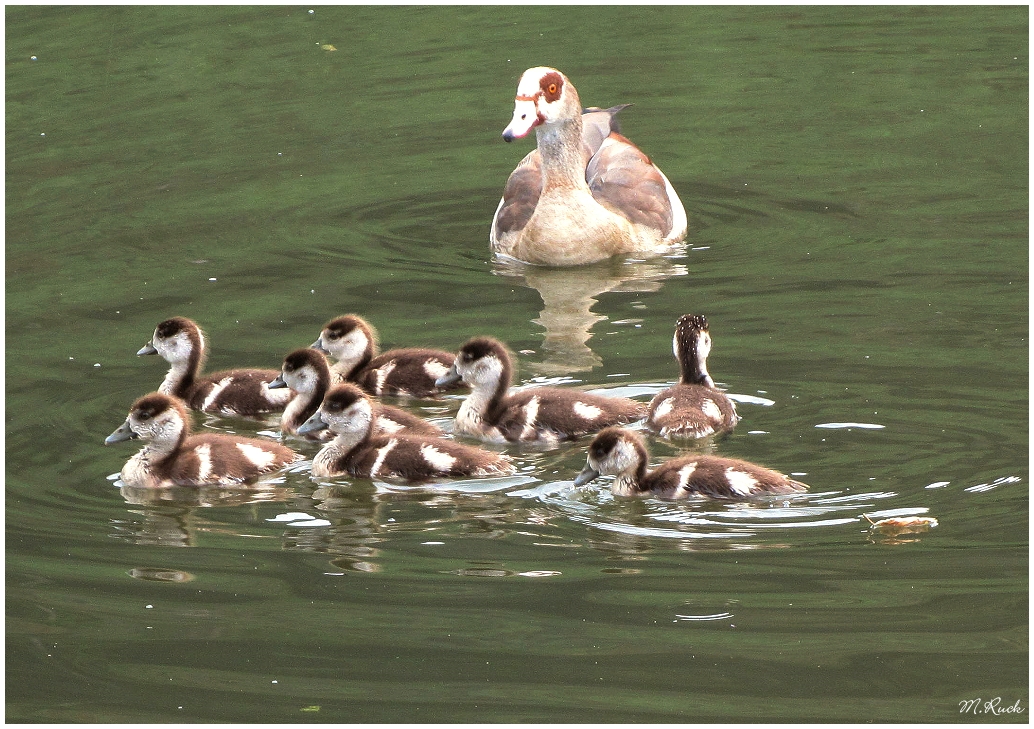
point(525, 118)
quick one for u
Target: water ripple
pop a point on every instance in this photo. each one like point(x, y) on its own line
point(695, 618)
point(701, 519)
point(981, 487)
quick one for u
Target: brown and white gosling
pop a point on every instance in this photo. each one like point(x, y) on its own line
point(621, 452)
point(357, 451)
point(694, 407)
point(412, 371)
point(181, 343)
point(544, 415)
point(172, 456)
point(307, 372)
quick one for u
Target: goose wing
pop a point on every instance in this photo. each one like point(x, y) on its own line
point(520, 196)
point(624, 180)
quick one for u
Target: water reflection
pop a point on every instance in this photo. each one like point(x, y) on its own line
point(358, 518)
point(169, 515)
point(353, 521)
point(350, 531)
point(160, 574)
point(639, 526)
point(204, 496)
point(568, 296)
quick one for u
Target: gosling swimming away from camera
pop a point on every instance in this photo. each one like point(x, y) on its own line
point(307, 372)
point(357, 451)
point(694, 407)
point(544, 415)
point(172, 456)
point(622, 453)
point(181, 343)
point(411, 371)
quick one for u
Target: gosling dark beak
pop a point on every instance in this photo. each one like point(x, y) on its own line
point(449, 378)
point(146, 349)
point(277, 383)
point(123, 432)
point(316, 422)
point(318, 346)
point(588, 474)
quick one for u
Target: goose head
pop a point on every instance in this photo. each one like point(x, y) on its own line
point(177, 340)
point(544, 96)
point(691, 345)
point(304, 370)
point(159, 418)
point(346, 410)
point(348, 339)
point(482, 363)
point(614, 452)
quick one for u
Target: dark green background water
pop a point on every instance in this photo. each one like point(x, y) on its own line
point(856, 180)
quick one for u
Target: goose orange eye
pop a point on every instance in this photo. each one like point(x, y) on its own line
point(551, 88)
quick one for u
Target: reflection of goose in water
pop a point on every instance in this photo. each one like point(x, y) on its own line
point(568, 295)
point(168, 517)
point(350, 531)
point(358, 525)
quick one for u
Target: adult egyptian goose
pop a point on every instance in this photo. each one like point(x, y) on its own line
point(694, 407)
point(172, 456)
point(357, 451)
point(586, 193)
point(622, 453)
point(352, 341)
point(181, 343)
point(544, 415)
point(307, 372)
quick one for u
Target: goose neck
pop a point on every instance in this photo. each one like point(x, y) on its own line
point(563, 158)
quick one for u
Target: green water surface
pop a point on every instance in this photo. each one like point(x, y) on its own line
point(856, 183)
